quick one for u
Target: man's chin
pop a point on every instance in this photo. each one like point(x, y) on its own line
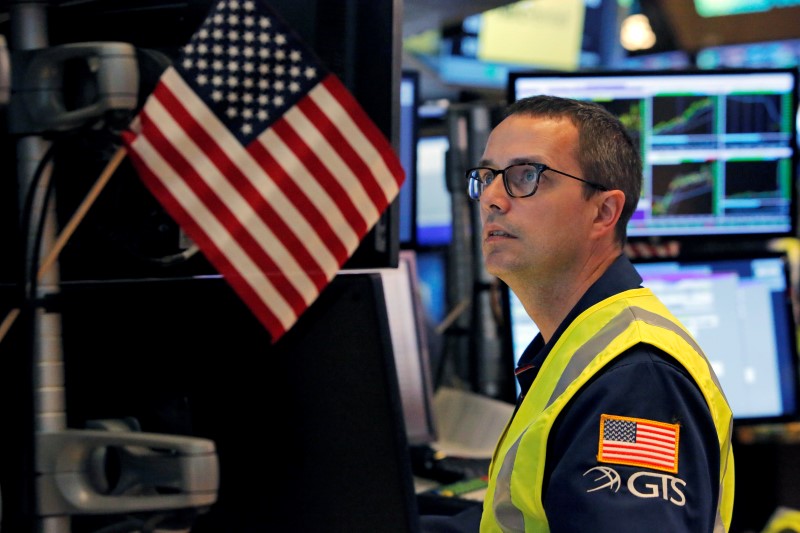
point(495, 265)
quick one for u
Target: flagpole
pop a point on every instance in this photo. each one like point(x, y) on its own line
point(69, 229)
point(77, 217)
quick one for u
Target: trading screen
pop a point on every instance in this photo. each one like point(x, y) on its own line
point(718, 148)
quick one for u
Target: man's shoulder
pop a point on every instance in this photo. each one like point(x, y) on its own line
point(643, 354)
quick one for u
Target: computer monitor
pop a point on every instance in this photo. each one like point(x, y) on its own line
point(738, 308)
point(185, 356)
point(520, 330)
point(770, 54)
point(407, 150)
point(718, 147)
point(404, 308)
point(667, 60)
point(434, 205)
point(432, 268)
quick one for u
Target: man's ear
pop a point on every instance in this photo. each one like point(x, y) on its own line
point(609, 209)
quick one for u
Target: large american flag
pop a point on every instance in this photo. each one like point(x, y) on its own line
point(264, 159)
point(639, 442)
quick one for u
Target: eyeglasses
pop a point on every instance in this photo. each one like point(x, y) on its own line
point(520, 180)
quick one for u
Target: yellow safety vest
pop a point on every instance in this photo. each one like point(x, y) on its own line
point(595, 338)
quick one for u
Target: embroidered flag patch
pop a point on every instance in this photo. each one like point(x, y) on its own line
point(638, 442)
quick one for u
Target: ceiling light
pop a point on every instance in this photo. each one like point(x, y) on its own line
point(636, 33)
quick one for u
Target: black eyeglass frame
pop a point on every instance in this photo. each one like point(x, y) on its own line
point(540, 167)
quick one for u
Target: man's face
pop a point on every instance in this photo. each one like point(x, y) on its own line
point(543, 235)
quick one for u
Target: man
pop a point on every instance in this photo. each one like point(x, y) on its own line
point(621, 425)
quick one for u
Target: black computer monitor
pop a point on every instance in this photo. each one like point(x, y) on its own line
point(407, 326)
point(319, 413)
point(739, 309)
point(718, 147)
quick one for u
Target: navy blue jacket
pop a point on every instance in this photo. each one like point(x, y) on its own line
point(641, 383)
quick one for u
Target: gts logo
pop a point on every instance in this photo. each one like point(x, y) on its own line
point(640, 484)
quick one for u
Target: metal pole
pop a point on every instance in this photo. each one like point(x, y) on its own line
point(29, 31)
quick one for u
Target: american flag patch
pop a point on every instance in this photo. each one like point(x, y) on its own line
point(638, 442)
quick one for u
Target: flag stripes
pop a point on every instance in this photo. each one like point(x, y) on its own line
point(219, 175)
point(264, 159)
point(638, 442)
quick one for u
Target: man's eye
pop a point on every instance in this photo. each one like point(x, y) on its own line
point(527, 175)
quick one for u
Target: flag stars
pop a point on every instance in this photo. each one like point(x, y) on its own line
point(247, 68)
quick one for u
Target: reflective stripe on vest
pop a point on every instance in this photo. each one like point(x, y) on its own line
point(609, 328)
